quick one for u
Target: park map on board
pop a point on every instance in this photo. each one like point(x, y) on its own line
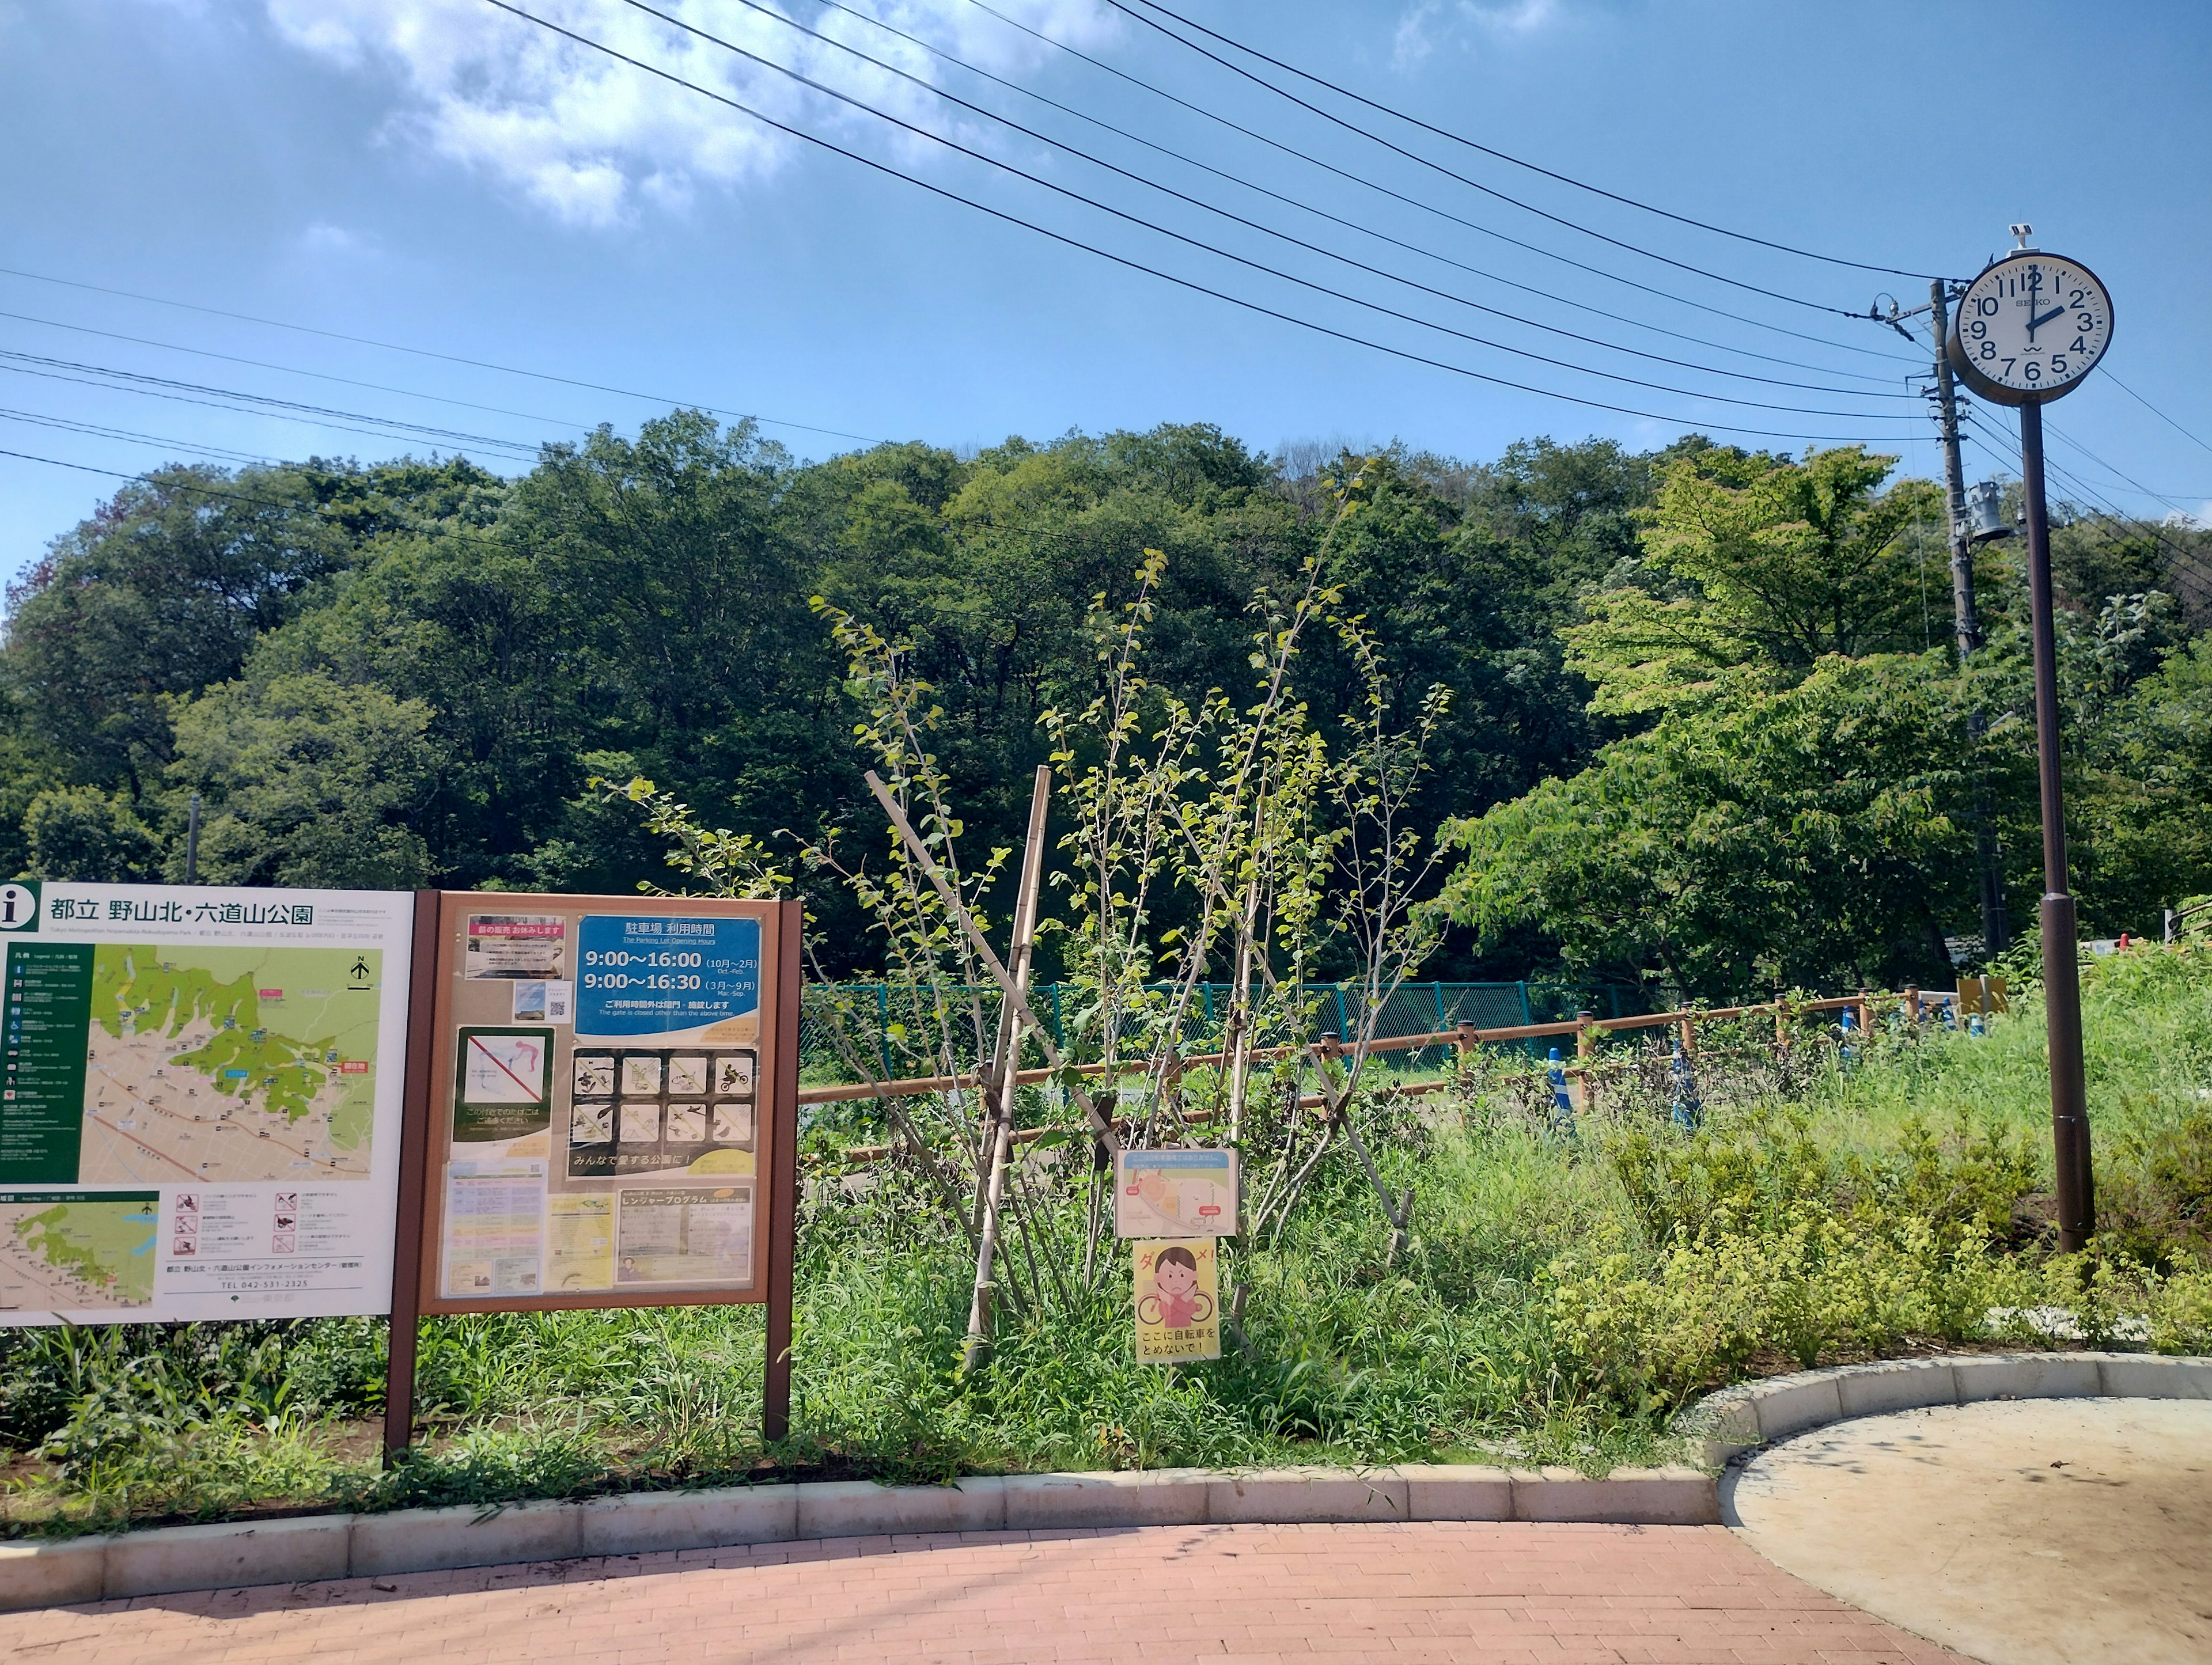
point(220, 1064)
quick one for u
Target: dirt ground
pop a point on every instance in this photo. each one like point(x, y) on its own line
point(2046, 1532)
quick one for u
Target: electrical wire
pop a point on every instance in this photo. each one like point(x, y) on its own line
point(425, 352)
point(1365, 230)
point(2182, 563)
point(883, 168)
point(2126, 478)
point(1237, 219)
point(1472, 184)
point(1534, 168)
point(186, 393)
point(2156, 411)
point(293, 370)
point(96, 431)
point(1430, 208)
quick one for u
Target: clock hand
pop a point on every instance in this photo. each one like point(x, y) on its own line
point(2035, 323)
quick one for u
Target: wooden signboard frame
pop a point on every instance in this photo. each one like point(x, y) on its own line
point(445, 1002)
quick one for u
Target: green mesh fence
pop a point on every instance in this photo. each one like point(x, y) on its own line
point(900, 1031)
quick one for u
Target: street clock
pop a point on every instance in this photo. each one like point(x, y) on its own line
point(2029, 328)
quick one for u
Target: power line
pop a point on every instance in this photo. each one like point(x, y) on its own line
point(425, 352)
point(2156, 411)
point(187, 393)
point(293, 370)
point(1255, 265)
point(97, 431)
point(1442, 214)
point(1472, 184)
point(1275, 196)
point(1235, 218)
point(2116, 473)
point(1517, 161)
point(2182, 562)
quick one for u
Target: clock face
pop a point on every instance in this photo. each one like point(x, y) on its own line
point(2030, 327)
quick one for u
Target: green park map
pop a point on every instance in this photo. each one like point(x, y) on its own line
point(224, 1064)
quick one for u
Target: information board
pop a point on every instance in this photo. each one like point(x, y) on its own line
point(600, 1121)
point(1174, 1193)
point(202, 1100)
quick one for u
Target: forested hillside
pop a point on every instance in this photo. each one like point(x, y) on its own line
point(1705, 731)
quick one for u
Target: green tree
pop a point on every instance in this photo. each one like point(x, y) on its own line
point(309, 782)
point(1810, 835)
point(83, 833)
point(1755, 561)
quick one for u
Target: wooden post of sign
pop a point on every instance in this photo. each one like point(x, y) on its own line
point(1689, 1036)
point(414, 1178)
point(783, 1183)
point(1912, 1009)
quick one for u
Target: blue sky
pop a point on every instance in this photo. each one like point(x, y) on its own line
point(441, 175)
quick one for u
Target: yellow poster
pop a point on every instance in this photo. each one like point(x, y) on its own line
point(1178, 1300)
point(582, 1253)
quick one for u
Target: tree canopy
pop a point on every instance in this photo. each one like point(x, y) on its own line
point(1700, 731)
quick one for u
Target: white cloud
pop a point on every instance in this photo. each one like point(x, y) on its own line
point(590, 139)
point(1515, 17)
point(1428, 25)
point(1412, 41)
point(325, 238)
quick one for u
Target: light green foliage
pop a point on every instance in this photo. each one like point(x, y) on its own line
point(1760, 565)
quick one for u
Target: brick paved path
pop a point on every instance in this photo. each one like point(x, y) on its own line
point(1412, 1594)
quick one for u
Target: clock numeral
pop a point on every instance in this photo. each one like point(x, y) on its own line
point(1989, 350)
point(2034, 371)
point(2057, 365)
point(1986, 306)
point(2009, 363)
point(2086, 322)
point(1978, 328)
point(2076, 299)
point(2078, 346)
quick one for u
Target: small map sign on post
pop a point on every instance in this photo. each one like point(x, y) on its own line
point(1178, 1301)
point(1174, 1193)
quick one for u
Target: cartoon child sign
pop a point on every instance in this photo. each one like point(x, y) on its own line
point(1178, 1300)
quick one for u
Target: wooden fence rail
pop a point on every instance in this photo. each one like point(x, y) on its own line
point(1464, 1037)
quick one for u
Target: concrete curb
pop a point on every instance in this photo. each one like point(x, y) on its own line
point(317, 1548)
point(1756, 1414)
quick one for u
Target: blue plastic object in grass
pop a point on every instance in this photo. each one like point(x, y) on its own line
point(1689, 1109)
point(1563, 1104)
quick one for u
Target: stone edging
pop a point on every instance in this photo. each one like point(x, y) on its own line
point(37, 1573)
point(1755, 1413)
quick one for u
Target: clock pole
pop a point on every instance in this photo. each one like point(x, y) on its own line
point(2062, 974)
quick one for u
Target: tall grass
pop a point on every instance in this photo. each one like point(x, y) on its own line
point(1559, 1297)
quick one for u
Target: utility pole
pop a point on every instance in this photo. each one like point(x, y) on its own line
point(1997, 927)
point(1954, 481)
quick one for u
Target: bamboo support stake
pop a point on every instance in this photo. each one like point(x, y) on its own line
point(1100, 1125)
point(1004, 1069)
